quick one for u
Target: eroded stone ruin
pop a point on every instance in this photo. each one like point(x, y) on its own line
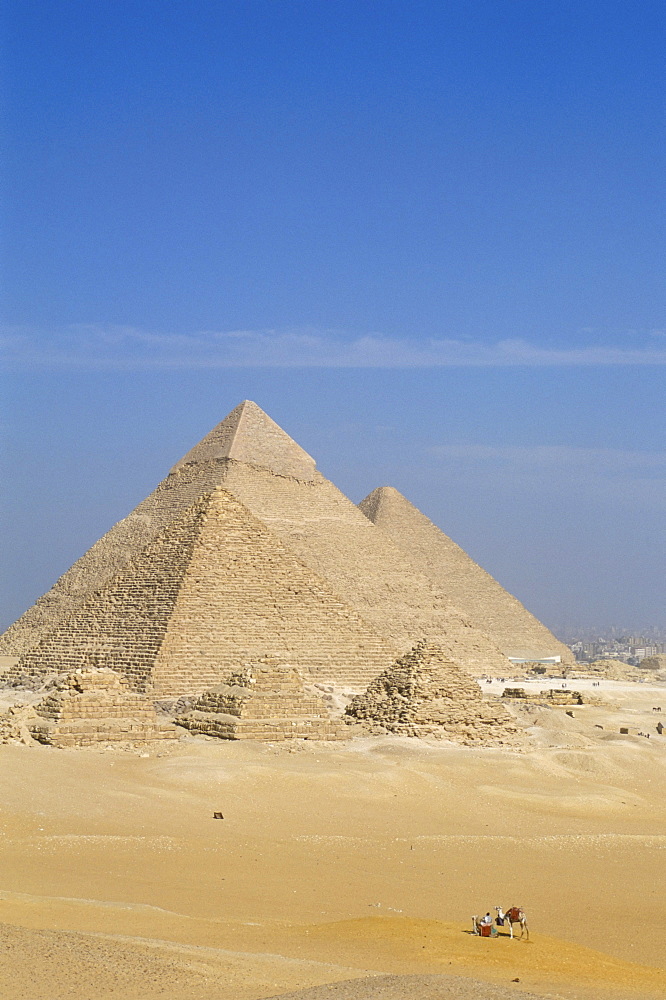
point(266, 700)
point(424, 693)
point(547, 697)
point(91, 706)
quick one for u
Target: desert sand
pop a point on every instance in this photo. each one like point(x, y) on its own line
point(337, 862)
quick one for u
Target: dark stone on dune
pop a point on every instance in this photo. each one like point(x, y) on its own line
point(407, 988)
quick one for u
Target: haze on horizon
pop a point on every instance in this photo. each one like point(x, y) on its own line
point(427, 239)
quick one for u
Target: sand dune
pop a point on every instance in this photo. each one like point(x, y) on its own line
point(334, 862)
point(405, 988)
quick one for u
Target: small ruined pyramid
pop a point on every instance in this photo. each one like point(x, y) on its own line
point(256, 462)
point(266, 700)
point(212, 590)
point(94, 705)
point(488, 605)
point(425, 694)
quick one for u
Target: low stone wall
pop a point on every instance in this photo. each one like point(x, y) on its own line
point(231, 727)
point(549, 697)
point(84, 732)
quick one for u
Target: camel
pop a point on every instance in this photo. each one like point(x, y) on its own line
point(478, 923)
point(514, 915)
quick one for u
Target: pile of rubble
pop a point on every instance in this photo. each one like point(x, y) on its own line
point(266, 700)
point(15, 723)
point(424, 693)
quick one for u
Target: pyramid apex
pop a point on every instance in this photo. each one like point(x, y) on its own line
point(384, 490)
point(379, 498)
point(248, 435)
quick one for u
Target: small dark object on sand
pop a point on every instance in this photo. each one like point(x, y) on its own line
point(218, 816)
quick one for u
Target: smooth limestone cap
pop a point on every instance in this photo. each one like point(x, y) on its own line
point(249, 435)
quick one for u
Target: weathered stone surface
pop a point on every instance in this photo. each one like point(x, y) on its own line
point(15, 723)
point(230, 727)
point(469, 587)
point(91, 706)
point(212, 590)
point(265, 700)
point(425, 694)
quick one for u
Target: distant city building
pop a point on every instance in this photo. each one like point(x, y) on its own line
point(640, 652)
point(630, 649)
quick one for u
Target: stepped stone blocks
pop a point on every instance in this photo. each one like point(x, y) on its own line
point(247, 433)
point(424, 693)
point(247, 595)
point(212, 590)
point(108, 556)
point(265, 700)
point(121, 626)
point(93, 705)
point(469, 587)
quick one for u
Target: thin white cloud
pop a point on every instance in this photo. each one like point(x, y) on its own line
point(636, 478)
point(554, 456)
point(99, 347)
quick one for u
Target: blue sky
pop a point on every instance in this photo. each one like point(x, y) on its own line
point(428, 238)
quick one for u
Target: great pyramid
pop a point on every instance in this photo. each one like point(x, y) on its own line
point(213, 590)
point(487, 604)
point(254, 460)
point(331, 536)
point(425, 694)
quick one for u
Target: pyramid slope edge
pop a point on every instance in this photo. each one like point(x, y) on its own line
point(517, 632)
